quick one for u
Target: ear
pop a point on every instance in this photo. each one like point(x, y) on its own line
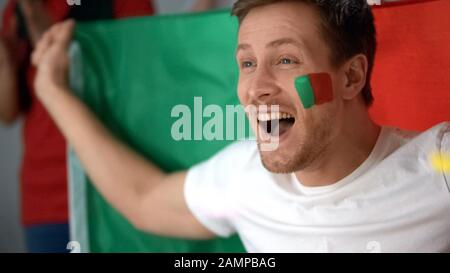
point(355, 71)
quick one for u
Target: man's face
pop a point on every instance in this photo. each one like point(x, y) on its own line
point(277, 44)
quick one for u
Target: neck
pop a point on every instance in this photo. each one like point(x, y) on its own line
point(346, 152)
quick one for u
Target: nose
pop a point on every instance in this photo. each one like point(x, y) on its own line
point(263, 88)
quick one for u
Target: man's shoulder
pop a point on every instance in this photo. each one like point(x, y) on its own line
point(416, 159)
point(440, 159)
point(436, 134)
point(431, 148)
point(433, 135)
point(404, 145)
point(436, 142)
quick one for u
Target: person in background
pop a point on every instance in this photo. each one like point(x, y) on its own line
point(44, 201)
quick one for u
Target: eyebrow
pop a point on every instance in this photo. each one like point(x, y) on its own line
point(284, 41)
point(242, 47)
point(275, 43)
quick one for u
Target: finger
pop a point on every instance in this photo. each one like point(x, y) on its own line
point(41, 47)
point(46, 41)
point(55, 29)
point(65, 31)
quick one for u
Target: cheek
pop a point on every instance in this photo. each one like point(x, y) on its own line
point(326, 120)
point(319, 118)
point(242, 92)
point(339, 83)
point(287, 84)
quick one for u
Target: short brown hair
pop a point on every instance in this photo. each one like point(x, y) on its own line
point(347, 26)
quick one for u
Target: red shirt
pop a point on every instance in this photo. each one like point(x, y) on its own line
point(43, 170)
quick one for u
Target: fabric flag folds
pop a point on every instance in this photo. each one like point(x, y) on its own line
point(134, 74)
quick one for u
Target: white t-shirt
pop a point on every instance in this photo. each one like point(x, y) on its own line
point(394, 202)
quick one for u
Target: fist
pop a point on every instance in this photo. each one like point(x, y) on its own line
point(52, 60)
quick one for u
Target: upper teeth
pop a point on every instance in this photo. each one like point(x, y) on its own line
point(273, 116)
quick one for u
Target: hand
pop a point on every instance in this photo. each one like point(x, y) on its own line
point(52, 60)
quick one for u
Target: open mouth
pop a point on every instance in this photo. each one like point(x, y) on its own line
point(275, 124)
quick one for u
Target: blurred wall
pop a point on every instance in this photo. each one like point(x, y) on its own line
point(11, 233)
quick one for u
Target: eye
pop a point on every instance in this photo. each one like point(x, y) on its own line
point(286, 61)
point(247, 64)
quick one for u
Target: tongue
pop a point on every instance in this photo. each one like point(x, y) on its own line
point(284, 126)
point(277, 127)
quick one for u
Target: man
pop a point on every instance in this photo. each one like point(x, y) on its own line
point(43, 172)
point(337, 181)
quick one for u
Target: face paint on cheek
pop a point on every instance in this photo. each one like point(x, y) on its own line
point(314, 89)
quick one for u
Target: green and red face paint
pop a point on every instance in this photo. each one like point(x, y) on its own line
point(314, 89)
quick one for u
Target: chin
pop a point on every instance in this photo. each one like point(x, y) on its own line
point(293, 157)
point(282, 161)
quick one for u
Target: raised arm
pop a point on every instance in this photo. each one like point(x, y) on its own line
point(152, 200)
